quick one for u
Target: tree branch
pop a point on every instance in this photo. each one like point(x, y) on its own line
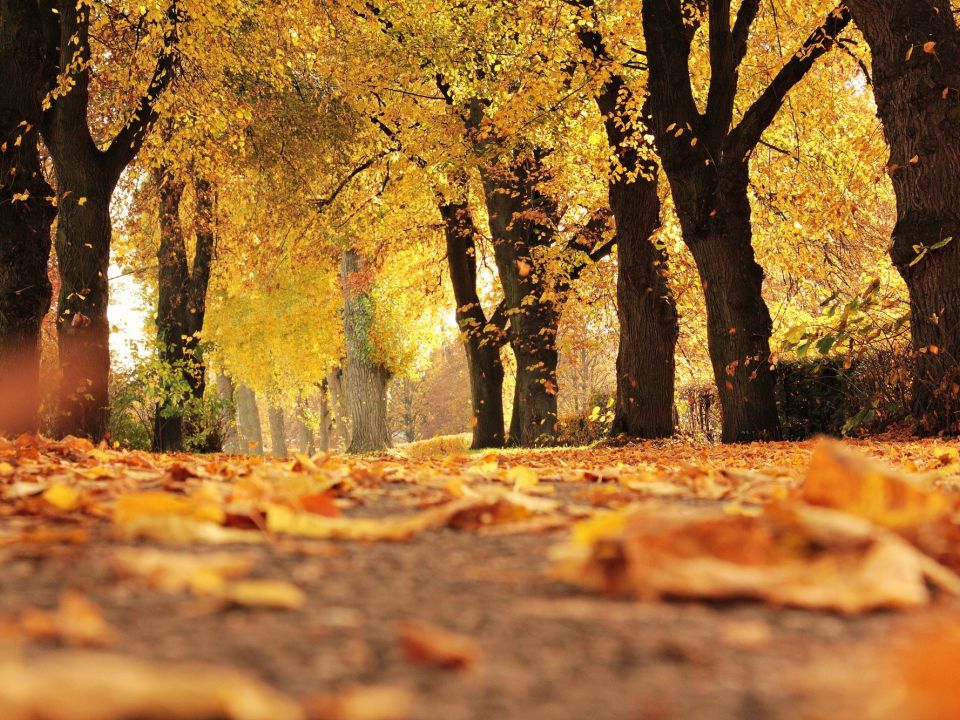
point(758, 118)
point(128, 141)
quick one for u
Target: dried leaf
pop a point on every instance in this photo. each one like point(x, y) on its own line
point(429, 644)
point(87, 686)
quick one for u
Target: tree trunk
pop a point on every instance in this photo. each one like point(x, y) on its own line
point(915, 46)
point(181, 306)
point(278, 432)
point(248, 416)
point(305, 438)
point(86, 178)
point(338, 407)
point(646, 310)
point(366, 381)
point(83, 332)
point(26, 215)
point(323, 436)
point(706, 157)
point(231, 438)
point(516, 209)
point(738, 321)
point(482, 339)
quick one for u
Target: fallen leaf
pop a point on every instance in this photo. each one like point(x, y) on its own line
point(429, 644)
point(843, 479)
point(75, 685)
point(62, 497)
point(791, 555)
point(76, 622)
point(264, 593)
point(378, 702)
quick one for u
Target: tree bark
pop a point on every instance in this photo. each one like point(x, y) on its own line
point(248, 418)
point(278, 432)
point(86, 179)
point(519, 224)
point(646, 310)
point(706, 159)
point(366, 379)
point(26, 216)
point(231, 438)
point(481, 337)
point(181, 304)
point(915, 46)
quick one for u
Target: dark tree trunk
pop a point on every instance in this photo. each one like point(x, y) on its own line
point(366, 379)
point(278, 432)
point(482, 338)
point(26, 215)
point(248, 420)
point(647, 312)
point(517, 210)
point(86, 178)
point(915, 46)
point(706, 159)
point(181, 304)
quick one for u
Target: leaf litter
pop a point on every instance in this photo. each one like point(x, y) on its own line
point(846, 528)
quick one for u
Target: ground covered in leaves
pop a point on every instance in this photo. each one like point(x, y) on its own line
point(650, 582)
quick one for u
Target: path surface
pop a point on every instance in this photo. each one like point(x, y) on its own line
point(536, 646)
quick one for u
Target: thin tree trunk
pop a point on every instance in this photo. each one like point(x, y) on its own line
point(248, 418)
point(181, 305)
point(26, 215)
point(915, 46)
point(338, 406)
point(366, 380)
point(278, 432)
point(323, 436)
point(482, 338)
point(231, 438)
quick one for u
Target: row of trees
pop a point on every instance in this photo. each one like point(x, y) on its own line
point(316, 163)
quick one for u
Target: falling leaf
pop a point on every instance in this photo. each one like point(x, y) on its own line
point(521, 477)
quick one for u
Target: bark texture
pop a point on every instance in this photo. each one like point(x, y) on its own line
point(26, 216)
point(706, 158)
point(482, 337)
point(326, 421)
point(647, 312)
point(181, 303)
point(366, 379)
point(915, 46)
point(248, 420)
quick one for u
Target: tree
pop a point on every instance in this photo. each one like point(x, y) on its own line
point(26, 215)
point(366, 378)
point(646, 310)
point(182, 300)
point(915, 48)
point(482, 337)
point(87, 175)
point(706, 157)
